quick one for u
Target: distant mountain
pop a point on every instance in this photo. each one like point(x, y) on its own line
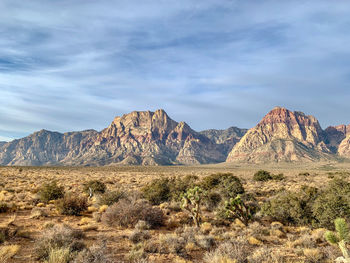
point(226, 139)
point(282, 135)
point(153, 138)
point(137, 138)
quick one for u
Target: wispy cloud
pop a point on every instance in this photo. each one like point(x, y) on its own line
point(75, 64)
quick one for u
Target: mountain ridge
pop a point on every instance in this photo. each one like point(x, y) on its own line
point(153, 138)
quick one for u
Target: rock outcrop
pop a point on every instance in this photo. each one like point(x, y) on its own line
point(138, 138)
point(282, 135)
point(226, 139)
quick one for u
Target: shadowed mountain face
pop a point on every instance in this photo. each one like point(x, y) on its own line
point(139, 138)
point(226, 139)
point(282, 135)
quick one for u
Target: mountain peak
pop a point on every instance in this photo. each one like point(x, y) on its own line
point(281, 135)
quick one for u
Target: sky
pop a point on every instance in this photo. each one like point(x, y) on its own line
point(68, 65)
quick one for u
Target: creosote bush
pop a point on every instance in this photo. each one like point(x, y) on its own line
point(262, 176)
point(72, 205)
point(332, 202)
point(292, 208)
point(127, 213)
point(166, 189)
point(109, 198)
point(228, 185)
point(95, 187)
point(157, 191)
point(51, 191)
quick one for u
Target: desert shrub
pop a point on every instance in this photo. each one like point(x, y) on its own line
point(235, 251)
point(97, 253)
point(231, 186)
point(292, 208)
point(180, 185)
point(72, 205)
point(278, 177)
point(109, 198)
point(212, 200)
point(94, 187)
point(58, 237)
point(157, 191)
point(4, 207)
point(50, 191)
point(332, 202)
point(166, 189)
point(226, 184)
point(262, 176)
point(138, 236)
point(59, 255)
point(127, 213)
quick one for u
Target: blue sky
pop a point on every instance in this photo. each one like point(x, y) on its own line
point(75, 64)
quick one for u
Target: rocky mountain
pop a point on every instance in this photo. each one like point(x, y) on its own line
point(282, 135)
point(153, 138)
point(138, 138)
point(335, 135)
point(226, 139)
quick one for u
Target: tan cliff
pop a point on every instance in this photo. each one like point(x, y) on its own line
point(282, 135)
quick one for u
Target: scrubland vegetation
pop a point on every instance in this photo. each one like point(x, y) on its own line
point(93, 215)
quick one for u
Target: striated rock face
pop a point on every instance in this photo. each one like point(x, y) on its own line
point(138, 138)
point(335, 135)
point(226, 139)
point(282, 135)
point(45, 148)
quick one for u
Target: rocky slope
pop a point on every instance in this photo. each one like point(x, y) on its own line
point(226, 139)
point(146, 138)
point(282, 135)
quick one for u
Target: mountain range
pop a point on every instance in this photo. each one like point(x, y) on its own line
point(153, 138)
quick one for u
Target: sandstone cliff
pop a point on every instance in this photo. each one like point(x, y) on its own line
point(139, 138)
point(282, 135)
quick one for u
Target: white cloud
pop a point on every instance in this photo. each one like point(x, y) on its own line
point(72, 65)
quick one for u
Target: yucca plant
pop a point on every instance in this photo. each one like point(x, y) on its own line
point(236, 208)
point(191, 201)
point(340, 238)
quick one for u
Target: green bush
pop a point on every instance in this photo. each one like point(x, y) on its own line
point(292, 208)
point(179, 185)
point(262, 176)
point(166, 189)
point(4, 207)
point(72, 205)
point(228, 185)
point(278, 177)
point(50, 191)
point(109, 198)
point(94, 187)
point(157, 191)
point(332, 202)
point(212, 200)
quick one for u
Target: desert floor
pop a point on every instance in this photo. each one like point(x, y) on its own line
point(18, 185)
